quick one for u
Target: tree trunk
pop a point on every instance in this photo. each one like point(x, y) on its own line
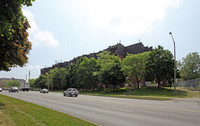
point(138, 84)
point(158, 83)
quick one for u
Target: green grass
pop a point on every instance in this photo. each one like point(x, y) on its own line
point(14, 112)
point(152, 93)
point(161, 92)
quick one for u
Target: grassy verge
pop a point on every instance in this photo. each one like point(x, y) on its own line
point(15, 112)
point(152, 93)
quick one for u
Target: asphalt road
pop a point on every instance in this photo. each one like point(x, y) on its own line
point(110, 111)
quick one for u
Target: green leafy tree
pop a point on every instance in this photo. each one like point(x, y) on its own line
point(134, 67)
point(87, 70)
point(14, 43)
point(110, 69)
point(32, 81)
point(41, 82)
point(71, 78)
point(190, 66)
point(160, 64)
point(56, 78)
point(13, 83)
point(59, 77)
point(3, 83)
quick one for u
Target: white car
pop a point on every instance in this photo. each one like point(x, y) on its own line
point(13, 89)
point(71, 92)
point(44, 91)
point(0, 89)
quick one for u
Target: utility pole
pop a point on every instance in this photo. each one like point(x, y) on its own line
point(174, 63)
point(26, 77)
point(29, 73)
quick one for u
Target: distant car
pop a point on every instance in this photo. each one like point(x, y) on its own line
point(13, 89)
point(44, 91)
point(71, 92)
point(0, 89)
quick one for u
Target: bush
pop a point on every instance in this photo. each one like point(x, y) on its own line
point(198, 87)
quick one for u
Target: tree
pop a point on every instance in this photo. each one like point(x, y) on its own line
point(110, 69)
point(87, 70)
point(32, 81)
point(14, 43)
point(71, 78)
point(13, 83)
point(58, 78)
point(3, 83)
point(160, 64)
point(41, 82)
point(134, 67)
point(190, 66)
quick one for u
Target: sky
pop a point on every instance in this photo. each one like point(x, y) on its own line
point(65, 29)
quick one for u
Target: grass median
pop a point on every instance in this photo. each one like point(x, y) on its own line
point(14, 112)
point(150, 93)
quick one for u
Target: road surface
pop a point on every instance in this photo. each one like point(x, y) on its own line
point(108, 111)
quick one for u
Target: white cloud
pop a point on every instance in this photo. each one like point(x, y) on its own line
point(34, 67)
point(46, 38)
point(126, 17)
point(30, 17)
point(36, 36)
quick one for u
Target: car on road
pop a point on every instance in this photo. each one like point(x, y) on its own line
point(71, 92)
point(13, 89)
point(0, 89)
point(44, 90)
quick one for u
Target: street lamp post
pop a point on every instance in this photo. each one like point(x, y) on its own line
point(174, 63)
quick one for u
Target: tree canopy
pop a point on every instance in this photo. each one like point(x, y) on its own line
point(13, 83)
point(86, 72)
point(14, 43)
point(110, 69)
point(160, 64)
point(134, 67)
point(190, 66)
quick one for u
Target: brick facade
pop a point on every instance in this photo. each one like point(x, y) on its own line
point(118, 49)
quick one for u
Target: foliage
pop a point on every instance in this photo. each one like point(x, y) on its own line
point(58, 77)
point(190, 66)
point(87, 73)
point(110, 69)
point(14, 43)
point(13, 83)
point(134, 67)
point(41, 82)
point(160, 64)
point(32, 81)
point(12, 16)
point(3, 83)
point(71, 78)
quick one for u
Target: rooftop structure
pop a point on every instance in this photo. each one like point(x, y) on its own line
point(118, 49)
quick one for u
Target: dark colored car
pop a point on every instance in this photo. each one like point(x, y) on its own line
point(13, 89)
point(71, 92)
point(44, 91)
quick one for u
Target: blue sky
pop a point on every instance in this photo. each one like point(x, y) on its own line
point(64, 29)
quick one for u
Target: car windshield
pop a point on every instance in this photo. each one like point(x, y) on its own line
point(14, 87)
